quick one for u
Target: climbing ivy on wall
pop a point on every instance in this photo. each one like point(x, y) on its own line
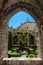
point(22, 38)
point(10, 40)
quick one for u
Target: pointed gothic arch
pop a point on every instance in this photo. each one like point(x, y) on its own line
point(7, 13)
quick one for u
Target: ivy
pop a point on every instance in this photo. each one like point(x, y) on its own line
point(9, 40)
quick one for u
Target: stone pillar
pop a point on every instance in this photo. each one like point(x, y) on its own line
point(37, 40)
point(3, 41)
point(41, 46)
point(42, 40)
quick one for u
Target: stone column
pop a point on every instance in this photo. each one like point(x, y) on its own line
point(41, 46)
point(37, 40)
point(3, 41)
point(42, 40)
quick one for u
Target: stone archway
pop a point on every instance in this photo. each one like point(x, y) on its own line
point(7, 13)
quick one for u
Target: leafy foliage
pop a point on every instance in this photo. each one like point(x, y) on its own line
point(31, 51)
point(23, 38)
point(14, 52)
point(10, 40)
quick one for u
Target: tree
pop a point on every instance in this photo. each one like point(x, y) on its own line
point(10, 40)
point(23, 38)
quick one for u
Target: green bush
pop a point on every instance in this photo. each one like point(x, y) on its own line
point(27, 55)
point(31, 51)
point(36, 52)
point(13, 54)
point(13, 49)
point(31, 55)
point(34, 47)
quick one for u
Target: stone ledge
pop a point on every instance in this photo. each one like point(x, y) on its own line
point(17, 58)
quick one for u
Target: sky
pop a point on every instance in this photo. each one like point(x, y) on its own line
point(18, 18)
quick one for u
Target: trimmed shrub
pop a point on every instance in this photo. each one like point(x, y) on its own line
point(31, 52)
point(13, 54)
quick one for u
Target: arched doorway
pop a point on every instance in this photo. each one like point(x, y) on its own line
point(19, 6)
point(31, 40)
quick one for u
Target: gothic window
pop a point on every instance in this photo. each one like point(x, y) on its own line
point(31, 40)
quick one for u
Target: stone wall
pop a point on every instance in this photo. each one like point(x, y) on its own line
point(27, 26)
point(37, 40)
point(42, 40)
point(21, 62)
point(3, 41)
point(38, 13)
